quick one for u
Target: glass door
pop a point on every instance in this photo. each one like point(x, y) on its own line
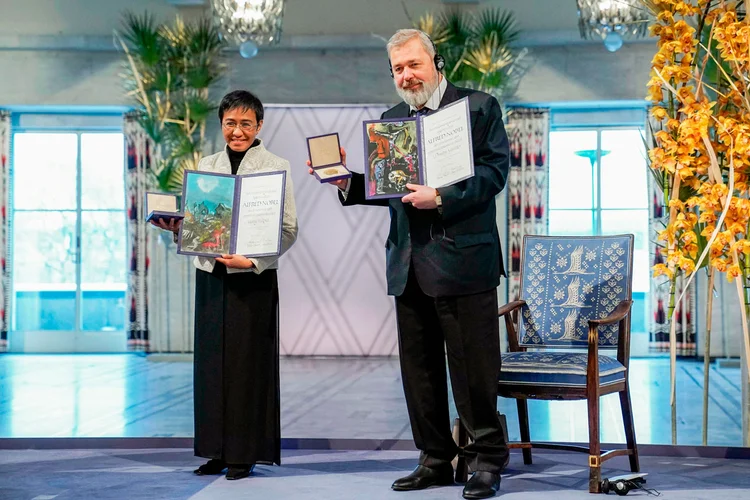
point(597, 186)
point(68, 242)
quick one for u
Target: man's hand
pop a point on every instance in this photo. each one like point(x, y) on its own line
point(235, 261)
point(422, 197)
point(174, 224)
point(341, 183)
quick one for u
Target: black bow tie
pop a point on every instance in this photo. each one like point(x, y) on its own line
point(420, 112)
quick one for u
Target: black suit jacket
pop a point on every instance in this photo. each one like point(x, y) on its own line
point(458, 252)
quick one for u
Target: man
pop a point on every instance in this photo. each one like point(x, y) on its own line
point(236, 372)
point(443, 265)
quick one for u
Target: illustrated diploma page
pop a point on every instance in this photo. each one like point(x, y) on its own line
point(447, 150)
point(260, 213)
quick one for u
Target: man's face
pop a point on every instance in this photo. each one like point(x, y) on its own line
point(240, 128)
point(414, 73)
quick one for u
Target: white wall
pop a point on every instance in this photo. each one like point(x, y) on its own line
point(80, 17)
point(286, 76)
point(56, 52)
point(587, 73)
point(301, 17)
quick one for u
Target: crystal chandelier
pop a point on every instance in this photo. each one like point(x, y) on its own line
point(612, 20)
point(250, 23)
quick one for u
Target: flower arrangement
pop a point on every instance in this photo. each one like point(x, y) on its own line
point(699, 89)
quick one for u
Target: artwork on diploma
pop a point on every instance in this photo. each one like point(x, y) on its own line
point(434, 149)
point(232, 214)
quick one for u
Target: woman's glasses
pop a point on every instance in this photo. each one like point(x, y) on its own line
point(244, 126)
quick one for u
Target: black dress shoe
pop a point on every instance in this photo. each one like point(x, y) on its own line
point(424, 477)
point(482, 484)
point(238, 471)
point(210, 468)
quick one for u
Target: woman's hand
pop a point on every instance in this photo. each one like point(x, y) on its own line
point(235, 261)
point(173, 225)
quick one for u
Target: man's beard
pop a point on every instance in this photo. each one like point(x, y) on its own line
point(417, 98)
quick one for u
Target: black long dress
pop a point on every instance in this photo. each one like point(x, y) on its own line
point(236, 372)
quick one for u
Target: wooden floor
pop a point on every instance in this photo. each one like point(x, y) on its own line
point(341, 475)
point(340, 398)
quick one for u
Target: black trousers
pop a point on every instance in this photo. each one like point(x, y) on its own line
point(466, 327)
point(236, 367)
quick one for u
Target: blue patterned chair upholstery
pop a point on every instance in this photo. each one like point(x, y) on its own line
point(575, 294)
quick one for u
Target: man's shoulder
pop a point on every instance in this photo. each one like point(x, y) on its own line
point(398, 111)
point(475, 96)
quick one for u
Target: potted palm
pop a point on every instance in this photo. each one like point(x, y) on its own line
point(168, 73)
point(478, 49)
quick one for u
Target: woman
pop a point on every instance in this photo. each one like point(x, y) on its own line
point(236, 377)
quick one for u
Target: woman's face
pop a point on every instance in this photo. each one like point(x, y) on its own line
point(240, 128)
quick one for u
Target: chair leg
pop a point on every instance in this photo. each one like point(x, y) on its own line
point(523, 423)
point(595, 456)
point(627, 419)
point(462, 439)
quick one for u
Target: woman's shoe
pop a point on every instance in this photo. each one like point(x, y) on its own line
point(238, 471)
point(210, 468)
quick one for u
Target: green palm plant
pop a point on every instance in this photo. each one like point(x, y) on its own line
point(478, 49)
point(168, 73)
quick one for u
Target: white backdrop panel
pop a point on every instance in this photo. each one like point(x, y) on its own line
point(332, 281)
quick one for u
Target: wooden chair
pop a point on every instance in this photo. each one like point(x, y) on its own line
point(576, 293)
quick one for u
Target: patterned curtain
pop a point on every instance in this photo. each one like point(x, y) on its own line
point(4, 228)
point(659, 293)
point(528, 132)
point(138, 147)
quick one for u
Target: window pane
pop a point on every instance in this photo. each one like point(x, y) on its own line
point(103, 270)
point(571, 155)
point(44, 272)
point(44, 171)
point(103, 247)
point(632, 222)
point(623, 169)
point(570, 222)
point(102, 171)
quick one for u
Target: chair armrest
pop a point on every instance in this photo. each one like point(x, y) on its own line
point(510, 307)
point(619, 315)
point(504, 312)
point(620, 312)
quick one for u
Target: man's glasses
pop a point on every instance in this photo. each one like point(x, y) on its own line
point(244, 126)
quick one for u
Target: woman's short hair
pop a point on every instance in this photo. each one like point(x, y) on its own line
point(241, 99)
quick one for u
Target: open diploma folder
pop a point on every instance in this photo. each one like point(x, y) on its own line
point(161, 205)
point(232, 214)
point(325, 158)
point(434, 150)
